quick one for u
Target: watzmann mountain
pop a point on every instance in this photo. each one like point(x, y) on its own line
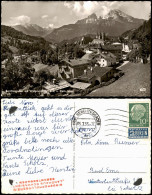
point(114, 23)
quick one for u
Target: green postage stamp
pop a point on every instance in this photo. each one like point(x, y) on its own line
point(138, 114)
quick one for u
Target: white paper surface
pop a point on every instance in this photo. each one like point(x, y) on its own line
point(42, 153)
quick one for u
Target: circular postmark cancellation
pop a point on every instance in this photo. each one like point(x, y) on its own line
point(86, 123)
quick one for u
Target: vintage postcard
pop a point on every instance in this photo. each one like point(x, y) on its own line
point(65, 67)
point(76, 146)
point(76, 49)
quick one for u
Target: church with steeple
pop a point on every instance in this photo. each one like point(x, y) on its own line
point(99, 40)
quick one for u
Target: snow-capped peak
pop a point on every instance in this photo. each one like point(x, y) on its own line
point(115, 14)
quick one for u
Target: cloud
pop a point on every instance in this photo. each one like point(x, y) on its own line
point(44, 16)
point(67, 4)
point(85, 8)
point(77, 7)
point(89, 7)
point(20, 20)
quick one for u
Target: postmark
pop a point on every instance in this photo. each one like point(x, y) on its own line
point(138, 133)
point(138, 114)
point(86, 123)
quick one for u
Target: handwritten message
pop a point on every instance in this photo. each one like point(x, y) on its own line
point(35, 138)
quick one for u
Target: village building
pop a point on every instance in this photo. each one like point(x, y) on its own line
point(19, 58)
point(114, 49)
point(125, 48)
point(89, 56)
point(16, 59)
point(40, 66)
point(72, 68)
point(103, 59)
point(97, 42)
point(64, 87)
point(4, 62)
point(88, 51)
point(116, 43)
point(50, 87)
point(97, 75)
point(80, 85)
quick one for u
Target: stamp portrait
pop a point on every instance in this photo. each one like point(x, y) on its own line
point(138, 115)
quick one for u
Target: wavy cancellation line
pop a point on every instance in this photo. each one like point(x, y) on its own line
point(116, 115)
point(116, 120)
point(117, 125)
point(116, 109)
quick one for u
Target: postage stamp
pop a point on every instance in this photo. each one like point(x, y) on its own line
point(86, 123)
point(138, 114)
point(138, 133)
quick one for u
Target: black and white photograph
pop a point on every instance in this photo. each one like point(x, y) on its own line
point(75, 49)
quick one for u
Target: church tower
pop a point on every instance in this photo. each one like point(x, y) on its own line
point(97, 35)
point(103, 36)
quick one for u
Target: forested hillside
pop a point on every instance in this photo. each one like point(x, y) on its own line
point(143, 35)
point(13, 41)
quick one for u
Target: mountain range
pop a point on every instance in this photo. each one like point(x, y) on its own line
point(114, 23)
point(33, 30)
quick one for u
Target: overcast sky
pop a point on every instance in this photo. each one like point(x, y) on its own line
point(58, 13)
